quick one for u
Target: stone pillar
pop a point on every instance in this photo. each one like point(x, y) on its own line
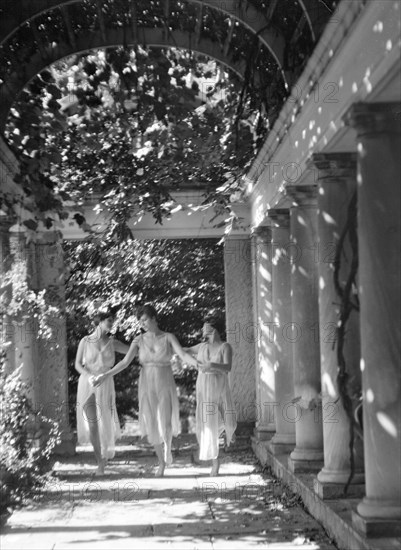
point(308, 452)
point(239, 328)
point(6, 326)
point(337, 185)
point(379, 171)
point(23, 326)
point(53, 353)
point(263, 333)
point(284, 439)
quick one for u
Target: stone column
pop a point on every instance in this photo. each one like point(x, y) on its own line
point(337, 186)
point(239, 328)
point(23, 325)
point(6, 325)
point(379, 171)
point(284, 439)
point(53, 353)
point(308, 452)
point(263, 332)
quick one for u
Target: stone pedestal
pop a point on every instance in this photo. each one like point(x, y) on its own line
point(263, 332)
point(283, 440)
point(52, 355)
point(304, 332)
point(379, 171)
point(337, 186)
point(239, 328)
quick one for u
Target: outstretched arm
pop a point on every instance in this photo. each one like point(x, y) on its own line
point(79, 358)
point(120, 347)
point(180, 351)
point(121, 365)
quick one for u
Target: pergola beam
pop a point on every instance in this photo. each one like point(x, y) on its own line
point(227, 43)
point(101, 19)
point(68, 24)
point(134, 20)
point(248, 16)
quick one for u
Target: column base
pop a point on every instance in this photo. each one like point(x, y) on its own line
point(67, 446)
point(376, 527)
point(305, 460)
point(328, 491)
point(375, 508)
point(263, 433)
point(328, 475)
point(282, 444)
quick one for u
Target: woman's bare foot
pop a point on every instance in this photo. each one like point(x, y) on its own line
point(100, 467)
point(168, 457)
point(160, 470)
point(215, 467)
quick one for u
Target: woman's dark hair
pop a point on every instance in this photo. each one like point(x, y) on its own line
point(148, 310)
point(216, 320)
point(101, 315)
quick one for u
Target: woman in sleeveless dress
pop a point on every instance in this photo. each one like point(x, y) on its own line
point(157, 392)
point(97, 420)
point(215, 411)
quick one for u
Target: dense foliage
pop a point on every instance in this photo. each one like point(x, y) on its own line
point(27, 436)
point(131, 127)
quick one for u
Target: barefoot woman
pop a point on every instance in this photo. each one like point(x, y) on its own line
point(215, 411)
point(97, 420)
point(158, 401)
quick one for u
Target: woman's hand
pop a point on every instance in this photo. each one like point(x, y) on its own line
point(99, 379)
point(204, 367)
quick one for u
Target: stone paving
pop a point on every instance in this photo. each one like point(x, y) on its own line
point(243, 507)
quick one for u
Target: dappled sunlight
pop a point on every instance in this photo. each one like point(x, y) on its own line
point(242, 507)
point(328, 385)
point(301, 220)
point(387, 424)
point(328, 219)
point(369, 395)
point(303, 271)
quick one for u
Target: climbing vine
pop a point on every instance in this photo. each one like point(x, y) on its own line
point(348, 302)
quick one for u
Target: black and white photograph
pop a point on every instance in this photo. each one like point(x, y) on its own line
point(200, 274)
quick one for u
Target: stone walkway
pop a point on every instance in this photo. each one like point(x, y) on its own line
point(243, 507)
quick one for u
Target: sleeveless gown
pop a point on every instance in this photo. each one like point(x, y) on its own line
point(215, 411)
point(97, 362)
point(157, 392)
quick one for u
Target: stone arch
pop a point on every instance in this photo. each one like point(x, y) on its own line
point(153, 37)
point(41, 52)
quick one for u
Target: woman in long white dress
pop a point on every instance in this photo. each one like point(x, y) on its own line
point(157, 392)
point(97, 419)
point(215, 411)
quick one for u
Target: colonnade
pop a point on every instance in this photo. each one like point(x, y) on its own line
point(314, 246)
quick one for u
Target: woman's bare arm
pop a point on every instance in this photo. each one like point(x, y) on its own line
point(120, 347)
point(185, 356)
point(79, 358)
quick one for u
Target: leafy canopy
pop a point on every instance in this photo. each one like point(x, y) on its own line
point(129, 127)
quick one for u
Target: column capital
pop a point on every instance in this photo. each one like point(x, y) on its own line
point(302, 195)
point(369, 118)
point(335, 166)
point(262, 232)
point(5, 223)
point(280, 217)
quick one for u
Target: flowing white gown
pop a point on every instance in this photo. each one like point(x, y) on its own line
point(215, 411)
point(157, 392)
point(97, 362)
